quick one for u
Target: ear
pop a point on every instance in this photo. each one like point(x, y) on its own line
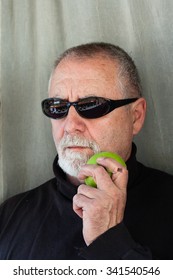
point(139, 112)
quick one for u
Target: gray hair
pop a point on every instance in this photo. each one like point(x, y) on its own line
point(128, 73)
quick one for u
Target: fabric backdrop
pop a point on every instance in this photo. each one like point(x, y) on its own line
point(34, 33)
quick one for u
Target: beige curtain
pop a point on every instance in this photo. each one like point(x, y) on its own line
point(34, 32)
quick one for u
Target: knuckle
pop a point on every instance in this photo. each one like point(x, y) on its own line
point(102, 205)
point(100, 169)
point(95, 207)
point(81, 188)
point(75, 198)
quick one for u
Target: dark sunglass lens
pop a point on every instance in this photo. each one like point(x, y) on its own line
point(93, 107)
point(55, 109)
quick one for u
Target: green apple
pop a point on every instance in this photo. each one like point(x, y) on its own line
point(93, 160)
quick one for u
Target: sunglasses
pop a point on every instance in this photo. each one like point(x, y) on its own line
point(89, 108)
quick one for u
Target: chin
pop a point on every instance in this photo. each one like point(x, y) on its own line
point(71, 166)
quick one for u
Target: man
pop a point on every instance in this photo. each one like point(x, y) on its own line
point(95, 104)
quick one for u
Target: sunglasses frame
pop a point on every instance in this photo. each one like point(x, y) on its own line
point(112, 104)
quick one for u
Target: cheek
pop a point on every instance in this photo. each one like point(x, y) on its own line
point(114, 136)
point(57, 130)
point(101, 132)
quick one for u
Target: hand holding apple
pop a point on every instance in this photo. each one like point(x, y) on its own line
point(93, 160)
point(103, 207)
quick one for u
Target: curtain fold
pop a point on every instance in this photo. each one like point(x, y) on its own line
point(34, 33)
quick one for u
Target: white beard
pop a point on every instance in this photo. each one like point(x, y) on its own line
point(71, 161)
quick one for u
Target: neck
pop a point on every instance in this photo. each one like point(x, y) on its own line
point(73, 180)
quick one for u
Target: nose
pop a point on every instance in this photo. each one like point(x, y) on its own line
point(74, 122)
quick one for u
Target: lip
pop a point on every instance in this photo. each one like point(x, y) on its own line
point(77, 148)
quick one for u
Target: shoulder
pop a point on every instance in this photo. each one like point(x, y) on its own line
point(40, 194)
point(155, 181)
point(156, 174)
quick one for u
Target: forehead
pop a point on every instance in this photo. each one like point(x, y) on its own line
point(97, 67)
point(88, 75)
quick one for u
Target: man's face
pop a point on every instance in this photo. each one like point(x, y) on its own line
point(77, 138)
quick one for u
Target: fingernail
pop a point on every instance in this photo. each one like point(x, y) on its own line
point(100, 159)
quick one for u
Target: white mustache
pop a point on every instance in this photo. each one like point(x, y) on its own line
point(77, 141)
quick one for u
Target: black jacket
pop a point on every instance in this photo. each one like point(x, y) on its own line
point(41, 224)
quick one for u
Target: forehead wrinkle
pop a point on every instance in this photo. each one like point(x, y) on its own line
point(68, 71)
point(101, 67)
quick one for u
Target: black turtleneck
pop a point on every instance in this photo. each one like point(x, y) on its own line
point(41, 224)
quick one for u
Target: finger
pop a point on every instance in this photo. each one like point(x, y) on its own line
point(89, 170)
point(120, 178)
point(79, 204)
point(110, 164)
point(119, 173)
point(78, 210)
point(99, 174)
point(87, 191)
